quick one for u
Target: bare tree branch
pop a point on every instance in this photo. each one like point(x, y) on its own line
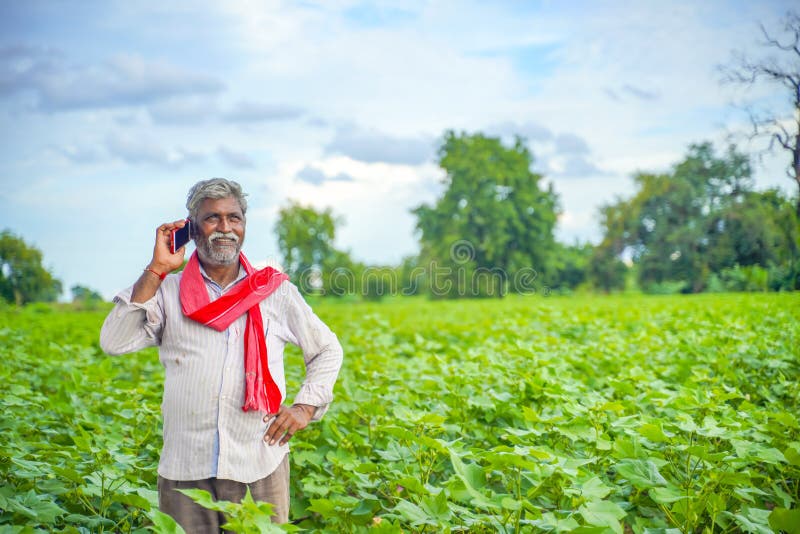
point(747, 73)
point(771, 41)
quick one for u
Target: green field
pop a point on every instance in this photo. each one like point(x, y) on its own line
point(525, 414)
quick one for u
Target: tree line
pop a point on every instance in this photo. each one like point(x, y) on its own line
point(701, 226)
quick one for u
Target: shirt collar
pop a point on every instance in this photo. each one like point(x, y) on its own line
point(242, 274)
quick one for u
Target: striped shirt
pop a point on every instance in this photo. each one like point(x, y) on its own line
point(206, 433)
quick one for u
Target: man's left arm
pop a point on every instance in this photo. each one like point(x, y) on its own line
point(323, 356)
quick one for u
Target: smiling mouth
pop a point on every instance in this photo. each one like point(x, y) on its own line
point(225, 242)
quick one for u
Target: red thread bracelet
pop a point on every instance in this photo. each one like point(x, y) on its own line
point(160, 276)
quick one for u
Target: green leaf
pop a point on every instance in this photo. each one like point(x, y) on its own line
point(603, 514)
point(165, 524)
point(785, 520)
point(133, 500)
point(508, 503)
point(35, 507)
point(792, 455)
point(613, 407)
point(769, 455)
point(754, 520)
point(411, 512)
point(324, 507)
point(653, 433)
point(641, 473)
point(473, 478)
point(204, 499)
point(437, 507)
point(594, 489)
point(666, 495)
point(367, 467)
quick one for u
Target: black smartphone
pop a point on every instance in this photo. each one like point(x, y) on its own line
point(180, 236)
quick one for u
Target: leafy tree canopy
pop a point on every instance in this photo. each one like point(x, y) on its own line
point(701, 217)
point(23, 279)
point(305, 236)
point(84, 294)
point(305, 240)
point(492, 221)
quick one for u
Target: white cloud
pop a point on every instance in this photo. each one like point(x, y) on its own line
point(372, 146)
point(138, 150)
point(248, 111)
point(315, 176)
point(123, 80)
point(239, 160)
point(186, 110)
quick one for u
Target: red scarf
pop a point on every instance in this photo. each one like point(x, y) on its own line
point(261, 392)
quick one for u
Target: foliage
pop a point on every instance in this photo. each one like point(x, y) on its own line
point(86, 298)
point(570, 266)
point(606, 271)
point(82, 293)
point(80, 429)
point(523, 414)
point(23, 279)
point(492, 221)
point(247, 517)
point(760, 229)
point(305, 240)
point(378, 282)
point(685, 227)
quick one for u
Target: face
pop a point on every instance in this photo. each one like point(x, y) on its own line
point(219, 231)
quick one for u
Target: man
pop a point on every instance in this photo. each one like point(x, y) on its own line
point(221, 328)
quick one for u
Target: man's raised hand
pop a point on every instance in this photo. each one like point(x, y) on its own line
point(164, 261)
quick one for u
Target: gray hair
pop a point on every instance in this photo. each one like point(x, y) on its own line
point(215, 188)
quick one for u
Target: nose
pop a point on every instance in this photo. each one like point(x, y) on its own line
point(224, 225)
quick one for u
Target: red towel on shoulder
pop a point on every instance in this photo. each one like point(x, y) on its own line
point(261, 392)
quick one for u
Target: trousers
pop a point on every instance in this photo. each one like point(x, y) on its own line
point(195, 519)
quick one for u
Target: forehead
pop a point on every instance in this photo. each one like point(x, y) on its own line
point(221, 206)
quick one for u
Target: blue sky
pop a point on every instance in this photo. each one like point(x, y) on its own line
point(111, 110)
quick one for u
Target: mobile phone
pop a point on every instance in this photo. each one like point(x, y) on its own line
point(180, 236)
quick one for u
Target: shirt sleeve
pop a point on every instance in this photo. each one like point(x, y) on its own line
point(132, 326)
point(322, 352)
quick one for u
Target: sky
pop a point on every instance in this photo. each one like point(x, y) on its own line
point(110, 110)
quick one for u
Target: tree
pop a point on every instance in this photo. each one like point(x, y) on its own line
point(606, 271)
point(699, 219)
point(570, 266)
point(492, 222)
point(85, 294)
point(305, 240)
point(675, 211)
point(85, 298)
point(783, 71)
point(23, 279)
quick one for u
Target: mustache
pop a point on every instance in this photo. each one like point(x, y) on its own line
point(222, 235)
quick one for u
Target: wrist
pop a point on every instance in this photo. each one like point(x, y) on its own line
point(155, 271)
point(307, 409)
point(159, 267)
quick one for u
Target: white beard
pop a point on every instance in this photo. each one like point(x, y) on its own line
point(218, 255)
